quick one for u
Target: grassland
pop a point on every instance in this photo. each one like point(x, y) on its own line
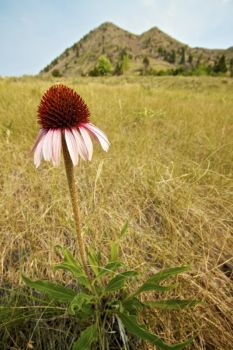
point(168, 172)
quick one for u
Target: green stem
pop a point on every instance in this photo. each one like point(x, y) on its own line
point(74, 200)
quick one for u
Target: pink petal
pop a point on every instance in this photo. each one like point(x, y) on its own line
point(82, 149)
point(100, 135)
point(38, 152)
point(56, 147)
point(47, 145)
point(41, 133)
point(72, 146)
point(87, 141)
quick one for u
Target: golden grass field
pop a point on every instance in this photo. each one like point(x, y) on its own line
point(168, 172)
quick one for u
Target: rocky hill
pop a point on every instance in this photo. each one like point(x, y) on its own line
point(153, 49)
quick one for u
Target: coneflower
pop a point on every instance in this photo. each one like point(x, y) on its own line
point(62, 112)
point(65, 123)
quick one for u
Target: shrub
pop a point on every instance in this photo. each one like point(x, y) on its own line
point(56, 73)
point(122, 65)
point(220, 65)
point(103, 67)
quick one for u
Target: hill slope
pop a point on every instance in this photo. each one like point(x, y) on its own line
point(162, 51)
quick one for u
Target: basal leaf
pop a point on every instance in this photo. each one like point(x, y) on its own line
point(132, 305)
point(139, 331)
point(68, 257)
point(86, 339)
point(166, 273)
point(72, 265)
point(153, 283)
point(77, 273)
point(117, 282)
point(94, 260)
point(80, 301)
point(114, 246)
point(146, 287)
point(53, 290)
point(109, 268)
point(171, 304)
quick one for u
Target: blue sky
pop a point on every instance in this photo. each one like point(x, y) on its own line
point(33, 32)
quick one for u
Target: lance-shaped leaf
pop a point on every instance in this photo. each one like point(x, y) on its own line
point(53, 290)
point(117, 282)
point(133, 305)
point(172, 304)
point(153, 283)
point(72, 265)
point(139, 331)
point(167, 273)
point(87, 338)
point(109, 268)
point(114, 247)
point(94, 260)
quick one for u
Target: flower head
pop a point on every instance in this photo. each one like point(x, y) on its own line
point(63, 113)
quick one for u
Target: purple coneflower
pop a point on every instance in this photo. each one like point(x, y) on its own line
point(65, 123)
point(62, 112)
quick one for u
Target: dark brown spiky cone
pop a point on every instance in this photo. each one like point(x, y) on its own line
point(61, 107)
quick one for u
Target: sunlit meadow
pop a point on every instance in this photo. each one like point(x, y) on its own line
point(168, 173)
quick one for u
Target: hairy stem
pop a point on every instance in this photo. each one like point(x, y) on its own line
point(74, 200)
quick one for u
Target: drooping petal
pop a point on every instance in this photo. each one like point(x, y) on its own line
point(47, 145)
point(56, 147)
point(87, 141)
point(38, 151)
point(41, 133)
point(99, 134)
point(82, 149)
point(72, 146)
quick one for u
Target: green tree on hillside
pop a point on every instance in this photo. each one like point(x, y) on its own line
point(190, 58)
point(220, 65)
point(231, 67)
point(103, 67)
point(161, 51)
point(182, 55)
point(56, 73)
point(171, 56)
point(122, 64)
point(146, 62)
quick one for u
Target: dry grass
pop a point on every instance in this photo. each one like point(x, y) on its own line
point(168, 171)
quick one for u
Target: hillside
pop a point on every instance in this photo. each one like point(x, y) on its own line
point(161, 52)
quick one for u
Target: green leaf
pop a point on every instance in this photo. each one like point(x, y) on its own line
point(86, 339)
point(146, 287)
point(72, 265)
point(94, 260)
point(124, 229)
point(109, 268)
point(78, 274)
point(166, 273)
point(53, 290)
point(117, 282)
point(153, 283)
point(114, 246)
point(80, 301)
point(139, 331)
point(68, 257)
point(171, 304)
point(132, 305)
